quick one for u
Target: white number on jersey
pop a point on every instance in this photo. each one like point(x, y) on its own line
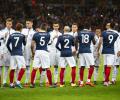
point(66, 43)
point(42, 41)
point(110, 38)
point(85, 38)
point(17, 39)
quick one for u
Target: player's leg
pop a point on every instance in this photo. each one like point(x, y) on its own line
point(96, 68)
point(109, 63)
point(1, 66)
point(12, 71)
point(0, 74)
point(6, 68)
point(114, 73)
point(42, 76)
point(27, 56)
point(45, 62)
point(21, 65)
point(82, 67)
point(53, 62)
point(72, 64)
point(62, 71)
point(16, 73)
point(36, 64)
point(90, 64)
point(115, 69)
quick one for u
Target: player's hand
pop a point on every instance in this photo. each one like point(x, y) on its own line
point(56, 36)
point(98, 54)
point(6, 34)
point(118, 54)
point(33, 55)
point(74, 52)
point(1, 56)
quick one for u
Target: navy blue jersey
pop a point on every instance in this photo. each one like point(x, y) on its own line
point(64, 44)
point(85, 37)
point(15, 42)
point(109, 38)
point(41, 39)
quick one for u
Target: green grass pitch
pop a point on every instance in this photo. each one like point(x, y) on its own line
point(99, 92)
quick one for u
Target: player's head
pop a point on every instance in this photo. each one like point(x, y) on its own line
point(56, 26)
point(98, 32)
point(9, 22)
point(87, 25)
point(109, 25)
point(66, 29)
point(74, 27)
point(29, 23)
point(43, 27)
point(19, 27)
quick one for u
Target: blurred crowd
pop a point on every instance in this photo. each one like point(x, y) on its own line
point(19, 10)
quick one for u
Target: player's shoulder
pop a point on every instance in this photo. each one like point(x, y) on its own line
point(12, 30)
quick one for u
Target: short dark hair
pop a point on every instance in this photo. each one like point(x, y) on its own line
point(55, 22)
point(44, 26)
point(19, 26)
point(29, 19)
point(86, 25)
point(9, 20)
point(75, 24)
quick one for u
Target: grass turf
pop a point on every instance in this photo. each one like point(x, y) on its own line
point(98, 92)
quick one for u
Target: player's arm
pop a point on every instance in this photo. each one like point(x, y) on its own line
point(8, 44)
point(32, 47)
point(24, 41)
point(57, 44)
point(118, 41)
point(73, 46)
point(99, 44)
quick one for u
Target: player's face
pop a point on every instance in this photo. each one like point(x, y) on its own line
point(9, 25)
point(56, 27)
point(98, 32)
point(37, 29)
point(107, 25)
point(29, 24)
point(74, 28)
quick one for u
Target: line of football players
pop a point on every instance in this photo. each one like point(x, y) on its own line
point(58, 49)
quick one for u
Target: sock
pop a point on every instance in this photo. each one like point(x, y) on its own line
point(91, 69)
point(81, 73)
point(33, 74)
point(62, 75)
point(27, 74)
point(42, 75)
point(5, 74)
point(73, 74)
point(114, 73)
point(11, 75)
point(49, 76)
point(16, 73)
point(96, 73)
point(107, 73)
point(55, 74)
point(46, 78)
point(21, 73)
point(104, 72)
point(40, 70)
